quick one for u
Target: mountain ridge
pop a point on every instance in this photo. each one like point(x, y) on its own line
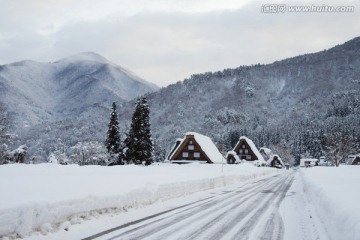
point(278, 103)
point(258, 97)
point(34, 92)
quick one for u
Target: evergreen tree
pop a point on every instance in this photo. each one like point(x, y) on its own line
point(138, 141)
point(159, 153)
point(4, 139)
point(112, 143)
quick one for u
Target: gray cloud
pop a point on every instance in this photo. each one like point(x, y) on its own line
point(167, 46)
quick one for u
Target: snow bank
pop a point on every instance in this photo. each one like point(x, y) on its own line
point(46, 196)
point(335, 193)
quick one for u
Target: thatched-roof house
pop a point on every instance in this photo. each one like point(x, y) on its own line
point(195, 147)
point(245, 149)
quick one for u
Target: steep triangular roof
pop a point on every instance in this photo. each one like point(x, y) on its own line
point(352, 159)
point(268, 162)
point(267, 151)
point(174, 147)
point(206, 145)
point(233, 153)
point(252, 146)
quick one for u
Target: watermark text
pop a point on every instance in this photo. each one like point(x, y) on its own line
point(283, 8)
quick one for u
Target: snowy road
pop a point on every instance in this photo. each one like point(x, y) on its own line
point(250, 211)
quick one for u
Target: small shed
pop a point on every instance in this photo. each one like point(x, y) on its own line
point(354, 160)
point(195, 147)
point(323, 161)
point(309, 162)
point(232, 158)
point(275, 161)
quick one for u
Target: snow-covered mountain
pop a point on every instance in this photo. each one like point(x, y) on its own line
point(288, 105)
point(36, 92)
point(263, 101)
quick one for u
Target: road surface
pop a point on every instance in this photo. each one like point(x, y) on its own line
point(250, 211)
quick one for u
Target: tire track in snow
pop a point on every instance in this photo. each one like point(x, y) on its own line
point(277, 196)
point(147, 229)
point(274, 226)
point(223, 223)
point(246, 220)
point(173, 226)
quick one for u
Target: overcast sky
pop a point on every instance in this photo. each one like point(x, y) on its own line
point(164, 41)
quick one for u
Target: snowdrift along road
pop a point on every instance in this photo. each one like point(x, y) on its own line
point(48, 196)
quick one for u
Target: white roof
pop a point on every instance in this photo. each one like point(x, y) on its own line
point(272, 157)
point(253, 148)
point(351, 158)
point(233, 153)
point(173, 148)
point(206, 145)
point(309, 159)
point(186, 161)
point(267, 151)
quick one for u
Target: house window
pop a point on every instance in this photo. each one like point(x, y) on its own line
point(196, 155)
point(240, 151)
point(246, 151)
point(190, 147)
point(190, 142)
point(185, 154)
point(243, 146)
point(248, 157)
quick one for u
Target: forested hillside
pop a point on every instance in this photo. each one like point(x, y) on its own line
point(295, 106)
point(303, 106)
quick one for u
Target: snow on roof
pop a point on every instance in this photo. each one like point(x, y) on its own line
point(253, 148)
point(186, 161)
point(233, 153)
point(174, 147)
point(309, 159)
point(267, 151)
point(351, 158)
point(230, 153)
point(206, 145)
point(268, 162)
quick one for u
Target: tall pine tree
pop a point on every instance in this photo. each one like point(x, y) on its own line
point(138, 141)
point(112, 143)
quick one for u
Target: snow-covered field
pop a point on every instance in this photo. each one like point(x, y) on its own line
point(47, 197)
point(323, 203)
point(335, 194)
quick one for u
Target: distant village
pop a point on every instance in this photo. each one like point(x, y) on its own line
point(198, 148)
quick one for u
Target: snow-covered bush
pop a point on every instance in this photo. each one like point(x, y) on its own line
point(18, 155)
point(89, 153)
point(58, 158)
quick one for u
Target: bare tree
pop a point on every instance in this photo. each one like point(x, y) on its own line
point(89, 153)
point(338, 146)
